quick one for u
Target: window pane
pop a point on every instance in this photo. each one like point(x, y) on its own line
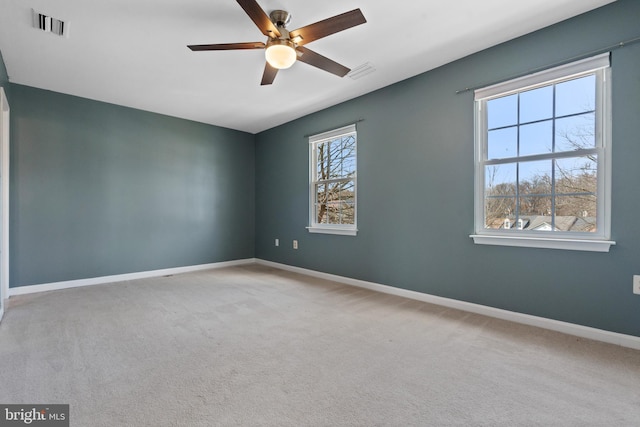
point(322, 195)
point(576, 213)
point(536, 138)
point(535, 177)
point(502, 111)
point(497, 210)
point(348, 156)
point(322, 161)
point(576, 175)
point(577, 206)
point(346, 214)
point(333, 203)
point(500, 192)
point(575, 132)
point(335, 159)
point(502, 143)
point(535, 209)
point(347, 207)
point(576, 187)
point(340, 200)
point(536, 104)
point(500, 180)
point(576, 96)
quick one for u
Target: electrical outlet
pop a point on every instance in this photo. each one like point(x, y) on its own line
point(277, 242)
point(636, 285)
point(295, 244)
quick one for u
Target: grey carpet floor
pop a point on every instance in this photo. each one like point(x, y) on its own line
point(256, 346)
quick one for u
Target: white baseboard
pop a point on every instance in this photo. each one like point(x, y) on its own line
point(623, 340)
point(21, 290)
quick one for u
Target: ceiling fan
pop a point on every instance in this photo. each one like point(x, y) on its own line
point(284, 47)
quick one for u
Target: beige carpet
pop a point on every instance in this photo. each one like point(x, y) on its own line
point(255, 346)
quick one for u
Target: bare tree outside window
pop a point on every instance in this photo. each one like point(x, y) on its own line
point(335, 200)
point(333, 180)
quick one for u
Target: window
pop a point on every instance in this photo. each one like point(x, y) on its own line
point(332, 189)
point(543, 159)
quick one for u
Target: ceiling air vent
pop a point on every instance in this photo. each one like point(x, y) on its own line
point(361, 71)
point(49, 24)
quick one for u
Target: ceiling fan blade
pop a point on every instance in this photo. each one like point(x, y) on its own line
point(312, 58)
point(269, 74)
point(328, 26)
point(226, 46)
point(259, 17)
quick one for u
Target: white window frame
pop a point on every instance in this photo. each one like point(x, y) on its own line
point(598, 241)
point(314, 226)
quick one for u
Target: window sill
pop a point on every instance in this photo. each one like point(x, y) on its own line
point(544, 242)
point(334, 230)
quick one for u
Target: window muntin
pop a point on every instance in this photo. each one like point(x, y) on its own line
point(542, 151)
point(333, 181)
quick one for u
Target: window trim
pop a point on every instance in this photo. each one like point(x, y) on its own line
point(598, 242)
point(338, 229)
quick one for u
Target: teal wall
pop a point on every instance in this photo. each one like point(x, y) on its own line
point(415, 187)
point(99, 189)
point(4, 77)
point(4, 83)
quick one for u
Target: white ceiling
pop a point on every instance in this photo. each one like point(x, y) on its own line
point(133, 52)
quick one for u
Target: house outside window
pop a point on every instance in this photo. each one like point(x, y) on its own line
point(543, 159)
point(333, 181)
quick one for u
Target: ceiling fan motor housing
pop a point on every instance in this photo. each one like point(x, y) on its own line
point(280, 18)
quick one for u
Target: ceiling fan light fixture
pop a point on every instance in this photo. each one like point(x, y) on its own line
point(280, 53)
